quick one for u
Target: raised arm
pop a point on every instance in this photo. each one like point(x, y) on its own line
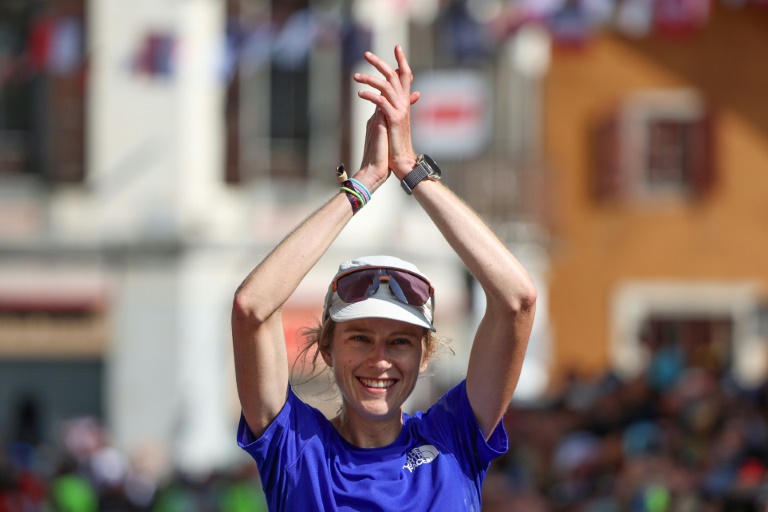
point(502, 336)
point(261, 360)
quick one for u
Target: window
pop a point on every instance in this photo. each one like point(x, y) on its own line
point(42, 83)
point(289, 118)
point(668, 153)
point(656, 144)
point(52, 350)
point(267, 105)
point(709, 324)
point(703, 341)
point(37, 395)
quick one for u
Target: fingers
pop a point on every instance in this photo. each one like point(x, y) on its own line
point(386, 96)
point(385, 69)
point(402, 76)
point(394, 86)
point(382, 86)
point(377, 120)
point(383, 107)
point(382, 104)
point(403, 70)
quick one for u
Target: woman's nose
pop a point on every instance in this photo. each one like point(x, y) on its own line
point(379, 356)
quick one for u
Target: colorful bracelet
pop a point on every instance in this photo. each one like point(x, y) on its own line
point(357, 193)
point(356, 198)
point(361, 188)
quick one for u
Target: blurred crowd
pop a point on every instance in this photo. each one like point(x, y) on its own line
point(84, 473)
point(680, 437)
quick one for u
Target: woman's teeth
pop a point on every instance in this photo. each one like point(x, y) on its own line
point(377, 383)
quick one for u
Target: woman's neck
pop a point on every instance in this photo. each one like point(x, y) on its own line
point(366, 433)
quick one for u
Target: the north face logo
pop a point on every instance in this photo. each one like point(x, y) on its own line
point(421, 455)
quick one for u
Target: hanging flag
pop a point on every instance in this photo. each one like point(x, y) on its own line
point(39, 43)
point(156, 56)
point(571, 26)
point(65, 54)
point(634, 18)
point(680, 17)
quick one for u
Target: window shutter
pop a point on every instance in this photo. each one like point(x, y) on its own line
point(606, 141)
point(66, 128)
point(702, 168)
point(232, 174)
point(232, 131)
point(65, 93)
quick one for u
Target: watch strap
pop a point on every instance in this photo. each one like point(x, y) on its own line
point(416, 176)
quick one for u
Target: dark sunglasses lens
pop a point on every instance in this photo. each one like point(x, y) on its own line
point(354, 287)
point(414, 288)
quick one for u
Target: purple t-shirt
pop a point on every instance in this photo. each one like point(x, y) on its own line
point(438, 462)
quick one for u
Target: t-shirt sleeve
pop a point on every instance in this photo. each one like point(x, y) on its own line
point(452, 422)
point(282, 441)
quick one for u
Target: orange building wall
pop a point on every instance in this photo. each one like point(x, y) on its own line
point(723, 236)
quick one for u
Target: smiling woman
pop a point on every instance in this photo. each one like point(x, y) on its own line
point(376, 362)
point(377, 335)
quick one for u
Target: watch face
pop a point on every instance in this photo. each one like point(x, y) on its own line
point(435, 173)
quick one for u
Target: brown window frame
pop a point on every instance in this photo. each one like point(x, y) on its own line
point(633, 160)
point(50, 136)
point(276, 144)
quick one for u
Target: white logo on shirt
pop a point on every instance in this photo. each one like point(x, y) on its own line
point(421, 455)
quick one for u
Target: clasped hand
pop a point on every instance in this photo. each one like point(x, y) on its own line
point(388, 144)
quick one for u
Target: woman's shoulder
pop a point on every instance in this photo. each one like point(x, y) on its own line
point(296, 416)
point(451, 402)
point(306, 415)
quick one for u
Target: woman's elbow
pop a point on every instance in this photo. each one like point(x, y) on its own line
point(245, 309)
point(528, 296)
point(522, 298)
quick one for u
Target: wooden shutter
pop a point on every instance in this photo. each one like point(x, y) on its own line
point(606, 149)
point(702, 163)
point(66, 95)
point(232, 173)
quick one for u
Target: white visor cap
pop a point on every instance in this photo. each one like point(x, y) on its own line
point(383, 303)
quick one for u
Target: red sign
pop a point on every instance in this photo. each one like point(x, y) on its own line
point(452, 119)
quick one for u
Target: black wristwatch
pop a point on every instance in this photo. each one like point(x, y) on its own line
point(426, 169)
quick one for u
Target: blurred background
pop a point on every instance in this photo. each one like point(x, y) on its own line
point(153, 151)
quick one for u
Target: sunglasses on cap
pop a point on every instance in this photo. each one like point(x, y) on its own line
point(359, 284)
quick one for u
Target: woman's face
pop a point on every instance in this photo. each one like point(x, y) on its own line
point(376, 362)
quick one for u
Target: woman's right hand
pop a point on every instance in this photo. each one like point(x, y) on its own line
point(374, 169)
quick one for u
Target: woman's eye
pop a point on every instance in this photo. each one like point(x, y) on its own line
point(402, 341)
point(359, 337)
